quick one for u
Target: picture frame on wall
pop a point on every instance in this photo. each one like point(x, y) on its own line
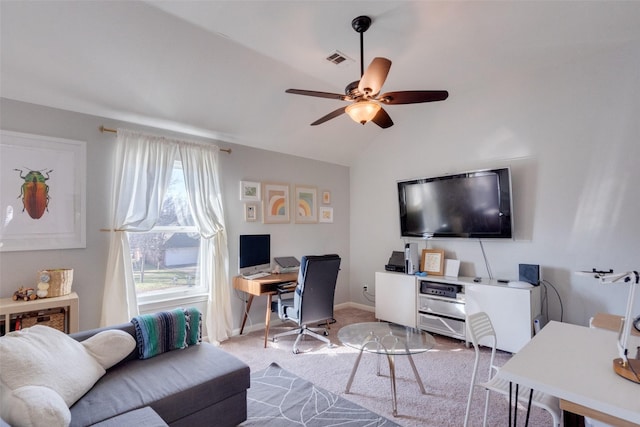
point(326, 214)
point(432, 261)
point(42, 192)
point(250, 212)
point(326, 197)
point(275, 207)
point(306, 204)
point(250, 191)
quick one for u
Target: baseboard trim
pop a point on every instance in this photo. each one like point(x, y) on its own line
point(355, 305)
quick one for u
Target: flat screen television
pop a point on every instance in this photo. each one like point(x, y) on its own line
point(255, 253)
point(474, 204)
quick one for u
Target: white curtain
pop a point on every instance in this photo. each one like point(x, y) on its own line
point(143, 167)
point(200, 165)
point(142, 170)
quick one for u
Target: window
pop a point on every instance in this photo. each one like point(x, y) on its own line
point(165, 260)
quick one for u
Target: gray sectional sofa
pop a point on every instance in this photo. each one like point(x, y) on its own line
point(197, 386)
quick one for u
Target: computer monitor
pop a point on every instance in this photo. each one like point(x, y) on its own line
point(255, 253)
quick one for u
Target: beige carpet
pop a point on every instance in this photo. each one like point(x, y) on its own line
point(445, 372)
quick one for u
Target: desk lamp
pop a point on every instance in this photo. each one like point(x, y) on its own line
point(629, 369)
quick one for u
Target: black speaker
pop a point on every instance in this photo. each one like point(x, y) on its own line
point(530, 273)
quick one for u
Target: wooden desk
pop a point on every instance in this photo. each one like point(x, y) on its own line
point(262, 286)
point(612, 322)
point(575, 364)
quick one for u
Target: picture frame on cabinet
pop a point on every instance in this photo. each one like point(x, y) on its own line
point(432, 261)
point(275, 206)
point(249, 191)
point(306, 205)
point(42, 192)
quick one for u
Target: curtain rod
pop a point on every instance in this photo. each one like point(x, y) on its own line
point(104, 129)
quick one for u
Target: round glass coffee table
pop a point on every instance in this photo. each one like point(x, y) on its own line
point(389, 340)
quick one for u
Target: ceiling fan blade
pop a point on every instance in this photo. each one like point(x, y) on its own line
point(382, 119)
point(413, 96)
point(318, 94)
point(373, 79)
point(331, 115)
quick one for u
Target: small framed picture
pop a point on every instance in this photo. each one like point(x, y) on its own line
point(249, 191)
point(326, 214)
point(432, 261)
point(250, 212)
point(326, 197)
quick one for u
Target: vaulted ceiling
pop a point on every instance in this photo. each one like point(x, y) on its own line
point(220, 68)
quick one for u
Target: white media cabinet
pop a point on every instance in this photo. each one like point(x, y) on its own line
point(512, 310)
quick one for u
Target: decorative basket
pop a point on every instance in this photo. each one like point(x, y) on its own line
point(60, 281)
point(54, 318)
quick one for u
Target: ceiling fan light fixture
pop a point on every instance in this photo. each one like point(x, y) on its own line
point(363, 111)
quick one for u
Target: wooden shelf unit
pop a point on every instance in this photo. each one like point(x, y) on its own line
point(10, 308)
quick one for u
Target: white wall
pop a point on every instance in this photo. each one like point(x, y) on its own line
point(571, 134)
point(20, 268)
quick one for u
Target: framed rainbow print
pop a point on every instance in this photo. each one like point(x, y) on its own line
point(275, 204)
point(306, 205)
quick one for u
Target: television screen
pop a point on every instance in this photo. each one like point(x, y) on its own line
point(255, 253)
point(468, 205)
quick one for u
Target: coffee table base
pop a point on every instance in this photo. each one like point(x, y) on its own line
point(392, 377)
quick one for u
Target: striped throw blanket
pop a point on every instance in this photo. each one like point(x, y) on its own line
point(194, 325)
point(165, 331)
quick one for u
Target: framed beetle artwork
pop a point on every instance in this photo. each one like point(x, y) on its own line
point(42, 192)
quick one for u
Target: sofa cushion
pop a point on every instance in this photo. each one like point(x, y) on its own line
point(126, 327)
point(175, 384)
point(43, 356)
point(109, 347)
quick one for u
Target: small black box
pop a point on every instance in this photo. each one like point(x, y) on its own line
point(530, 273)
point(396, 262)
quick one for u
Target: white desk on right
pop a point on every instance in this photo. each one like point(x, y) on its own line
point(575, 364)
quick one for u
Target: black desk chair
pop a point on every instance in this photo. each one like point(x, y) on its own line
point(312, 300)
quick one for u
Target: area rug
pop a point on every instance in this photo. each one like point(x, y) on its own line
point(279, 398)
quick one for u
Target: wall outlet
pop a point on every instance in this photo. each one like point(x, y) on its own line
point(364, 288)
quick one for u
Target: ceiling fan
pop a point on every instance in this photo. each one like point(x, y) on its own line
point(364, 94)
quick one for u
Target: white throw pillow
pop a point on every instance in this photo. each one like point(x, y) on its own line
point(43, 356)
point(33, 406)
point(110, 346)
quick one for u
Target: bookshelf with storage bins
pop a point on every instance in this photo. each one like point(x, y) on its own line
point(58, 312)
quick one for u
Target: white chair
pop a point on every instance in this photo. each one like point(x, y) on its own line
point(480, 329)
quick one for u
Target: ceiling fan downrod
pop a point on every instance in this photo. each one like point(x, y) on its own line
point(361, 24)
